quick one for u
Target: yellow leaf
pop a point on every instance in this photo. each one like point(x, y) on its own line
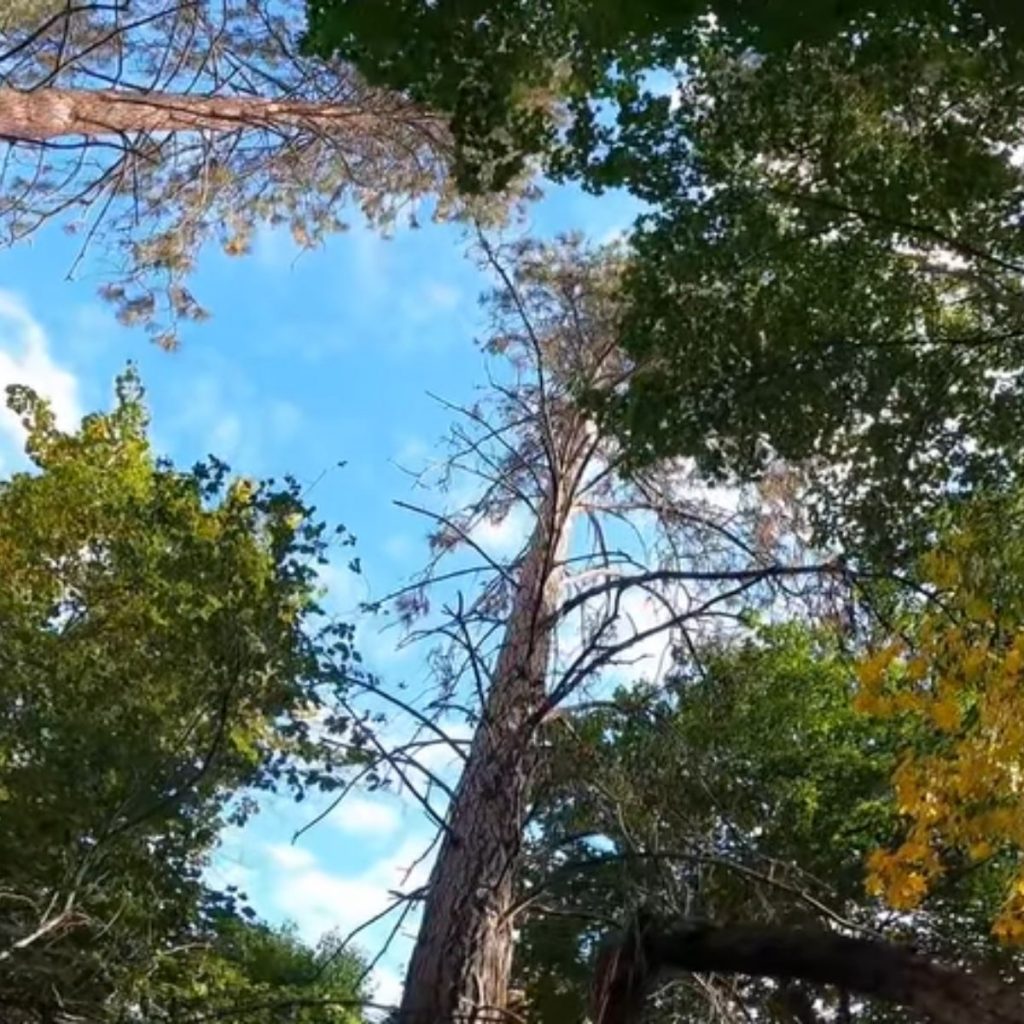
point(1009, 929)
point(905, 892)
point(872, 669)
point(917, 668)
point(873, 704)
point(978, 609)
point(946, 715)
point(1012, 662)
point(941, 568)
point(974, 662)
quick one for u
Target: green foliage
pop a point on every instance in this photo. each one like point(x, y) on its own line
point(829, 271)
point(158, 661)
point(258, 974)
point(833, 278)
point(489, 63)
point(751, 791)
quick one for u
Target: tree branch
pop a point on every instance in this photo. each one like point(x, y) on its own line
point(878, 970)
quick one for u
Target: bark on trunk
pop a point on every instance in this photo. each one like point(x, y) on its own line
point(878, 970)
point(461, 965)
point(52, 113)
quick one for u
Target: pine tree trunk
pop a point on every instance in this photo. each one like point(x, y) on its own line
point(461, 965)
point(44, 114)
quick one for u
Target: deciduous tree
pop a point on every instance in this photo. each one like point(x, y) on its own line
point(951, 665)
point(746, 789)
point(160, 663)
point(247, 971)
point(829, 271)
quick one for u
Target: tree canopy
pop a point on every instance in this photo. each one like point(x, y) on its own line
point(828, 273)
point(248, 971)
point(817, 812)
point(749, 789)
point(149, 129)
point(493, 66)
point(160, 664)
point(951, 667)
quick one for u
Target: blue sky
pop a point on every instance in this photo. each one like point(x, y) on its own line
point(308, 360)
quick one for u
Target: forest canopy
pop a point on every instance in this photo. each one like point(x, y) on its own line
point(833, 205)
point(702, 685)
point(160, 663)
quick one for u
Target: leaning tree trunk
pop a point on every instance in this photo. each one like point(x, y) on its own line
point(462, 961)
point(43, 114)
point(630, 966)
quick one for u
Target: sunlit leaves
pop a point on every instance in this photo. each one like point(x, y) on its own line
point(746, 791)
point(267, 974)
point(161, 658)
point(828, 271)
point(955, 671)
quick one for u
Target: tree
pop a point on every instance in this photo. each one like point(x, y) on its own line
point(249, 971)
point(949, 664)
point(589, 588)
point(829, 271)
point(495, 68)
point(895, 975)
point(161, 661)
point(747, 789)
point(159, 125)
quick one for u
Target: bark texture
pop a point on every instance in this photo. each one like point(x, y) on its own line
point(461, 965)
point(43, 114)
point(877, 970)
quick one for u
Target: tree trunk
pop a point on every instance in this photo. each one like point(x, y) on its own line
point(43, 114)
point(878, 970)
point(461, 964)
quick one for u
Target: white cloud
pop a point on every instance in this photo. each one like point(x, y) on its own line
point(441, 297)
point(370, 263)
point(234, 862)
point(426, 749)
point(318, 901)
point(226, 433)
point(25, 358)
point(291, 858)
point(399, 546)
point(439, 757)
point(204, 412)
point(387, 986)
point(91, 330)
point(219, 410)
point(639, 612)
point(615, 235)
point(430, 300)
point(381, 645)
point(344, 590)
point(413, 454)
point(285, 419)
point(364, 816)
point(226, 872)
